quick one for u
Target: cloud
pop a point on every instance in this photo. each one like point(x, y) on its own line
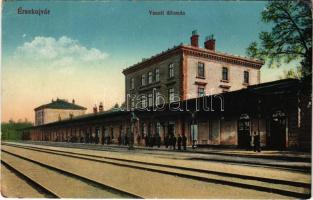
point(24, 35)
point(62, 51)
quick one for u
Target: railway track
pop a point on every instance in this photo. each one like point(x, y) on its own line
point(229, 160)
point(13, 181)
point(281, 187)
point(56, 183)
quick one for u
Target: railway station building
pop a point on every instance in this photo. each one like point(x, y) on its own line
point(212, 98)
point(57, 110)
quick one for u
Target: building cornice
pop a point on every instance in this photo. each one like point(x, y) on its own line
point(221, 57)
point(197, 52)
point(154, 59)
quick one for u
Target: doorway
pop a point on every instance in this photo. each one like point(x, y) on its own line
point(244, 131)
point(278, 128)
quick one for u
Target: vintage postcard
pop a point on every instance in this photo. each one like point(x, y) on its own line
point(156, 99)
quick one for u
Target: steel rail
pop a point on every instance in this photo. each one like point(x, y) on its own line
point(74, 175)
point(199, 178)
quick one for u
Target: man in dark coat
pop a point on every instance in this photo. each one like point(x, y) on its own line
point(256, 141)
point(184, 142)
point(138, 139)
point(179, 142)
point(119, 139)
point(109, 140)
point(146, 140)
point(170, 141)
point(174, 142)
point(152, 140)
point(166, 141)
point(158, 140)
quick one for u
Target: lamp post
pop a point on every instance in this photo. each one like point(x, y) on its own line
point(133, 121)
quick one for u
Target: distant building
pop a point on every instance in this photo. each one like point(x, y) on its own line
point(57, 110)
point(188, 71)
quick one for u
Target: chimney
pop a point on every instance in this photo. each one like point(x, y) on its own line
point(95, 109)
point(210, 43)
point(73, 101)
point(194, 39)
point(101, 107)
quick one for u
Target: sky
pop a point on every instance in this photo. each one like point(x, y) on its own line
point(80, 49)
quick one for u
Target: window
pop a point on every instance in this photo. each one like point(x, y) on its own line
point(200, 69)
point(132, 103)
point(225, 74)
point(150, 100)
point(157, 98)
point(171, 95)
point(157, 75)
point(149, 77)
point(132, 83)
point(143, 79)
point(158, 128)
point(143, 101)
point(171, 70)
point(246, 77)
point(201, 92)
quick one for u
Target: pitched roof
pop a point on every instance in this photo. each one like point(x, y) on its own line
point(61, 104)
point(85, 117)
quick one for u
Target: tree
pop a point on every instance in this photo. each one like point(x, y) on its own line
point(123, 105)
point(290, 38)
point(13, 130)
point(116, 105)
point(292, 73)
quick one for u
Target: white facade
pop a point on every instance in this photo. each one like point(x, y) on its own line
point(48, 115)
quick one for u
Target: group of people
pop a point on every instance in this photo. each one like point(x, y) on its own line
point(151, 141)
point(90, 139)
point(171, 141)
point(122, 140)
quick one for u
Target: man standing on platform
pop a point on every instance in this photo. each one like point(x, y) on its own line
point(184, 142)
point(256, 141)
point(174, 142)
point(179, 142)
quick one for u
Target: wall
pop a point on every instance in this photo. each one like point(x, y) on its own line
point(51, 115)
point(213, 76)
point(163, 85)
point(228, 132)
point(203, 132)
point(215, 132)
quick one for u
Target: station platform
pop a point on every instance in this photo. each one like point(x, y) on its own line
point(290, 156)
